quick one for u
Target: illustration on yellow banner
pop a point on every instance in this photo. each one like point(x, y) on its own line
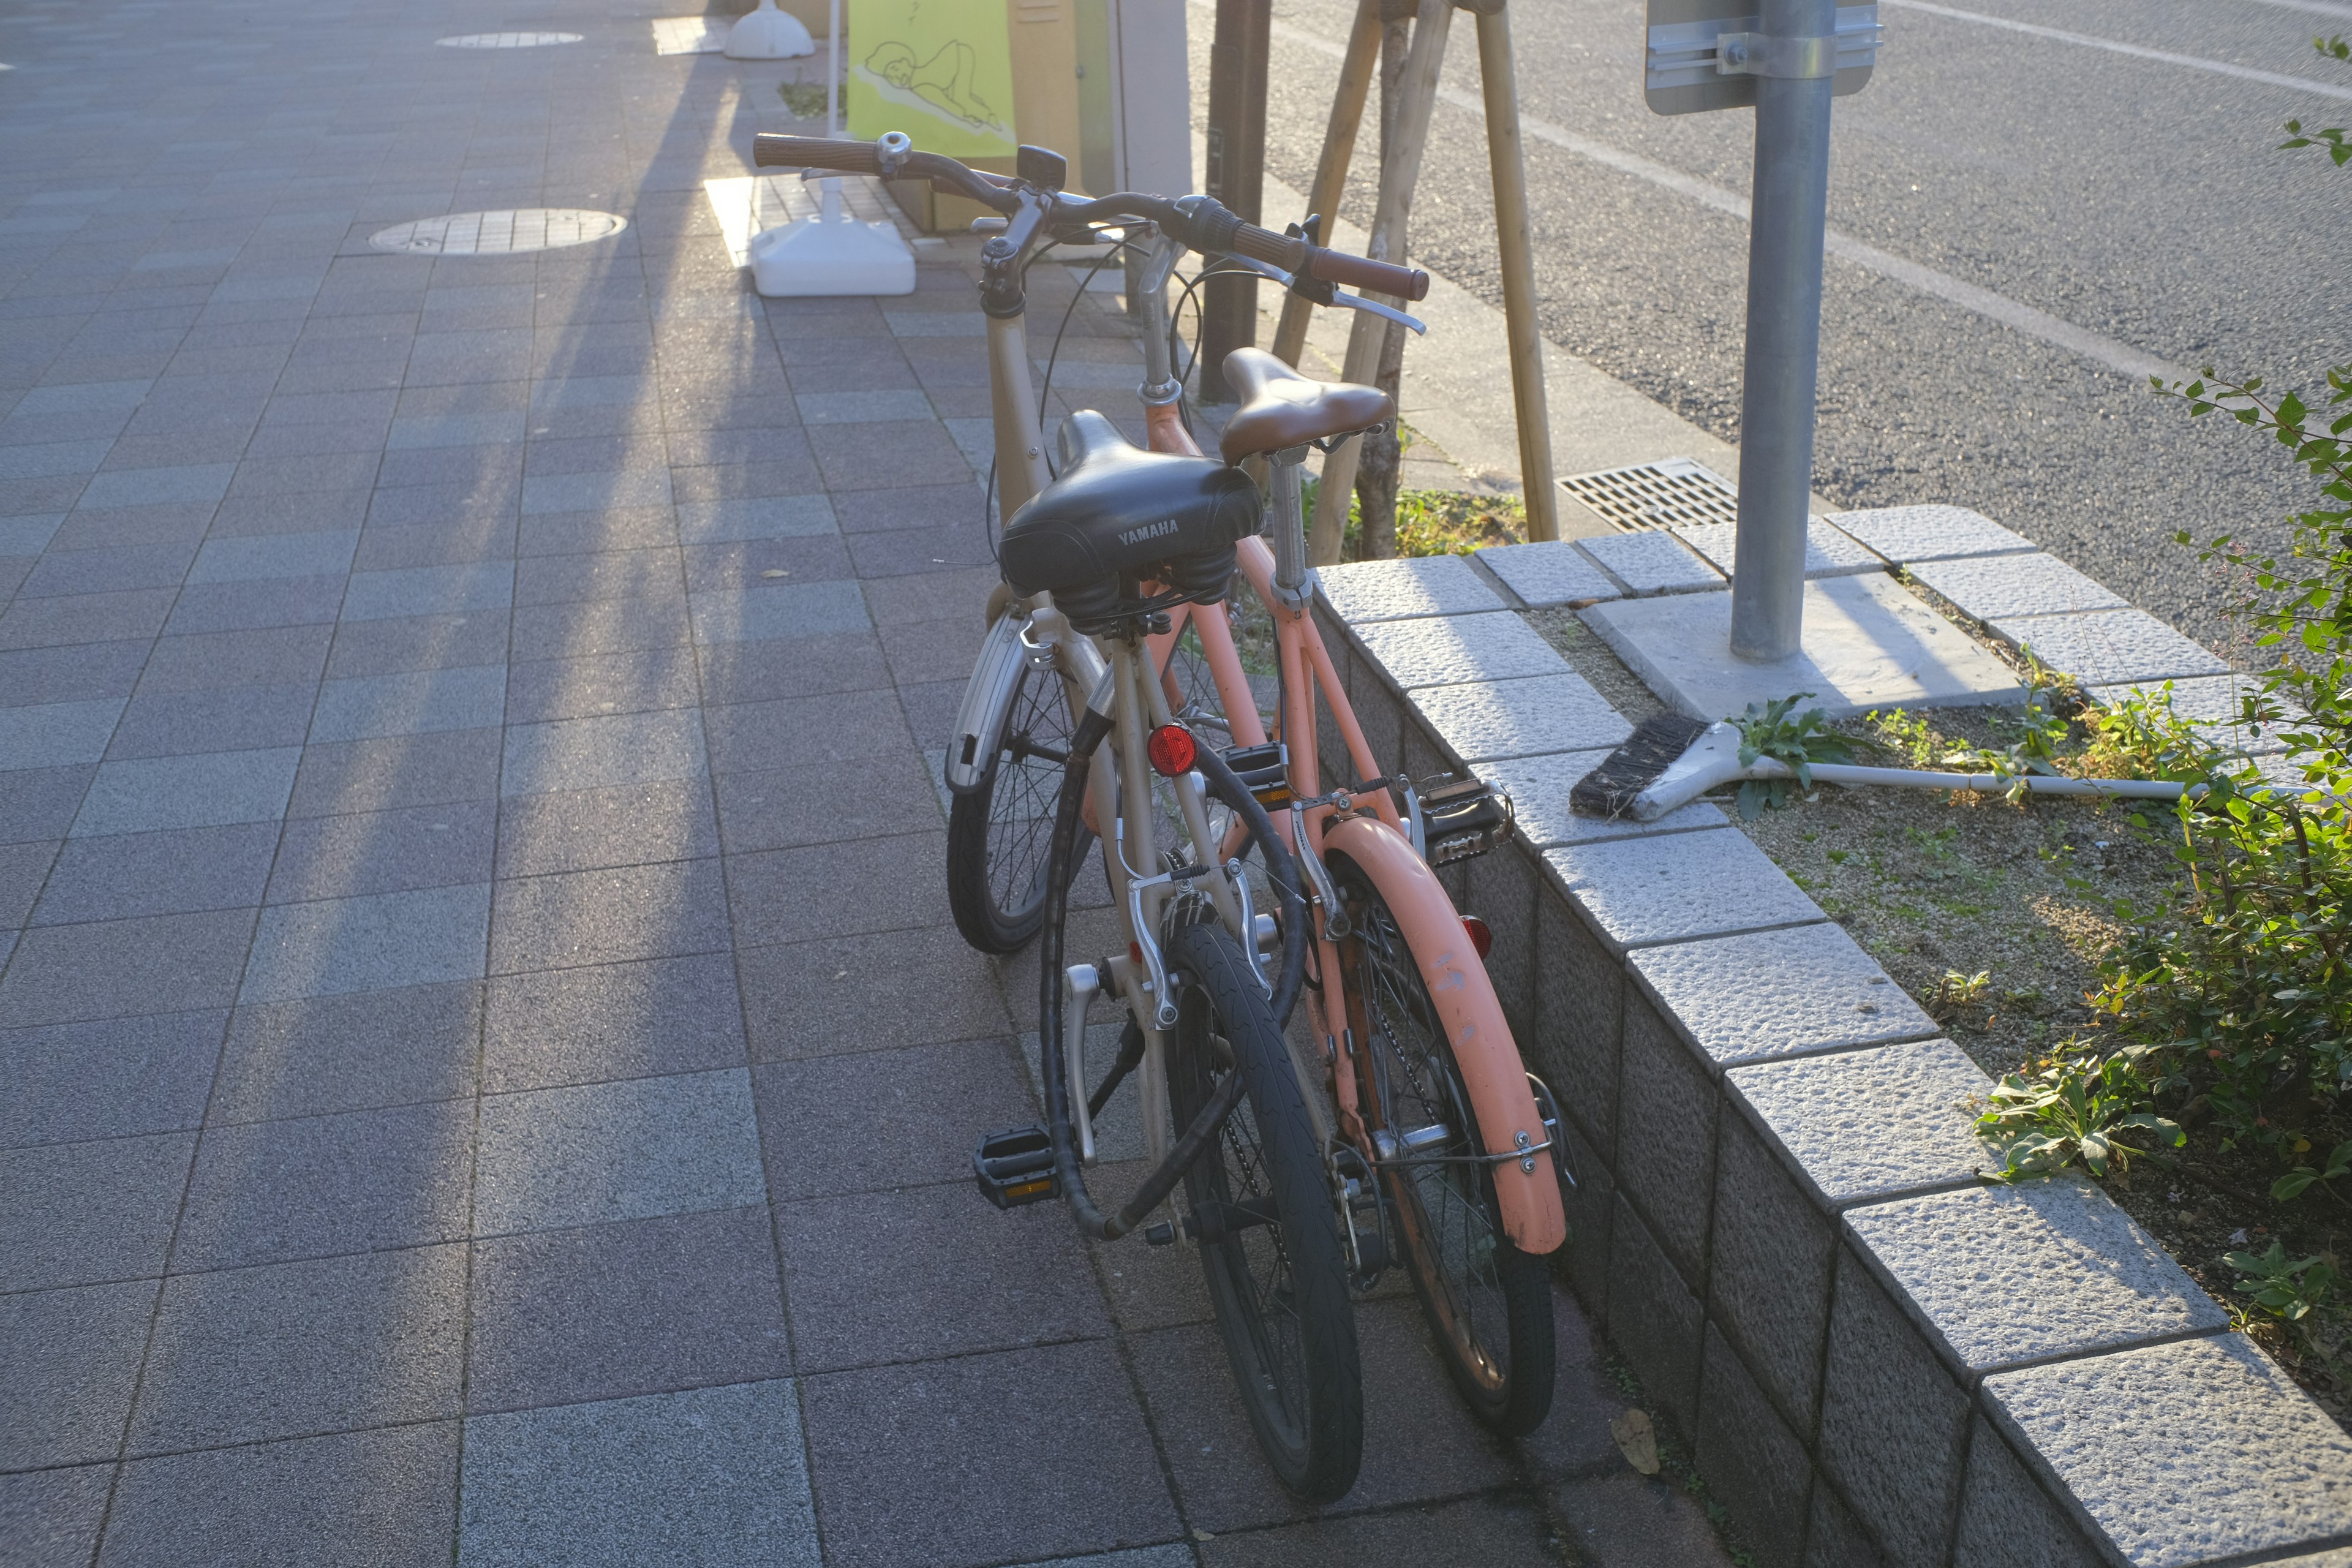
point(940, 70)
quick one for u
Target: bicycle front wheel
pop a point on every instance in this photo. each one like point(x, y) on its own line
point(999, 833)
point(1488, 1303)
point(1268, 1234)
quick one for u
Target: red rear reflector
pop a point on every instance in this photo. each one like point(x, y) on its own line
point(1480, 937)
point(1173, 750)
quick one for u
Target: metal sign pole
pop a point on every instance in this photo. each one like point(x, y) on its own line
point(1789, 59)
point(1784, 328)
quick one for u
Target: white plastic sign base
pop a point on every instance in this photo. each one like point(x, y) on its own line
point(768, 34)
point(816, 256)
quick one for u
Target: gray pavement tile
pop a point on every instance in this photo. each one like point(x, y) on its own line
point(242, 718)
point(1625, 1519)
point(316, 439)
point(113, 969)
point(28, 535)
point(610, 914)
point(386, 1498)
point(285, 1349)
point(806, 731)
point(207, 661)
point(595, 492)
point(84, 673)
point(764, 517)
point(155, 487)
point(418, 642)
point(597, 627)
point(1420, 1444)
point(891, 1452)
point(372, 942)
point(601, 751)
point(595, 455)
point(81, 397)
point(632, 1149)
point(312, 511)
point(56, 734)
point(752, 563)
point(325, 1054)
point(455, 541)
point(611, 1021)
point(116, 876)
point(780, 808)
point(429, 590)
point(483, 428)
point(890, 1119)
point(118, 1078)
point(85, 618)
point(264, 602)
point(250, 556)
point(816, 999)
point(588, 532)
point(552, 689)
point(745, 672)
point(652, 574)
point(24, 868)
point(777, 474)
point(51, 1517)
point(862, 407)
point(480, 471)
point(203, 789)
point(69, 1361)
point(82, 1212)
point(413, 702)
point(1475, 1529)
point(361, 1181)
point(897, 883)
point(384, 851)
point(711, 1476)
point(50, 458)
point(312, 471)
point(398, 771)
point(624, 824)
point(886, 455)
point(133, 527)
point(628, 1307)
point(939, 652)
point(779, 610)
point(399, 505)
point(917, 1273)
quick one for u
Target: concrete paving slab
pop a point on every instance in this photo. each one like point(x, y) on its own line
point(1552, 572)
point(1906, 534)
point(115, 1079)
point(629, 1150)
point(1491, 720)
point(1641, 892)
point(1539, 786)
point(374, 942)
point(1651, 562)
point(2008, 586)
point(1828, 552)
point(1364, 591)
point(69, 1363)
point(1447, 650)
point(1867, 644)
point(716, 1475)
point(52, 1516)
point(2108, 648)
point(2231, 1459)
point(1779, 994)
point(1858, 1126)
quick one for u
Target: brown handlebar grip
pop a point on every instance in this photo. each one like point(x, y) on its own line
point(774, 149)
point(1263, 244)
point(1372, 277)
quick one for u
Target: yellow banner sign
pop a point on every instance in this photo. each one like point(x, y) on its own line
point(940, 70)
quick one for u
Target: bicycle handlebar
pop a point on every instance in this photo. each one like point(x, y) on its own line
point(1201, 223)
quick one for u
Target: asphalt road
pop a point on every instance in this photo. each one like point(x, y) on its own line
point(2136, 198)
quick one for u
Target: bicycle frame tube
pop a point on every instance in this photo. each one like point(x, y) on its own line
point(1021, 469)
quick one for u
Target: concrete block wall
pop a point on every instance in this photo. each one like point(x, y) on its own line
point(1875, 1357)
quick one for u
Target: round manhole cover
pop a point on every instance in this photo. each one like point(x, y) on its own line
point(498, 233)
point(506, 40)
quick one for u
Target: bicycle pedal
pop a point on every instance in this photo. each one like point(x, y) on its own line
point(1014, 1167)
point(1464, 817)
point(1262, 770)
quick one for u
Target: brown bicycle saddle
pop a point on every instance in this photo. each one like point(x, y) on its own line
point(1283, 408)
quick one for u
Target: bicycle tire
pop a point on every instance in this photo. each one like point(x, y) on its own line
point(1488, 1304)
point(1280, 1289)
point(999, 832)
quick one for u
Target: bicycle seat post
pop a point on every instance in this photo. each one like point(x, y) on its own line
point(1294, 580)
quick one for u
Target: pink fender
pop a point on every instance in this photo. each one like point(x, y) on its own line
point(1464, 997)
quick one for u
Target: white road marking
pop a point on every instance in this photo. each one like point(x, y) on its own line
point(2113, 352)
point(2192, 62)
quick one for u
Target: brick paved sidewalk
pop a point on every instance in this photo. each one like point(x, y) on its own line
point(487, 1067)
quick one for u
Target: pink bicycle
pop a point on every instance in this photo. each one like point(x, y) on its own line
point(1405, 1127)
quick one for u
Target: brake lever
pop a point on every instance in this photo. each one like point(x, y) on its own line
point(1326, 295)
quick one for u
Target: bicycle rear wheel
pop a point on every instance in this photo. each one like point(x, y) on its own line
point(1269, 1237)
point(998, 834)
point(1488, 1304)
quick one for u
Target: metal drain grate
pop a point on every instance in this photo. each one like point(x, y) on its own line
point(503, 233)
point(506, 40)
point(1665, 494)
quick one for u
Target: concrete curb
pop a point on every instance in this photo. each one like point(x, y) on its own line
point(1877, 1358)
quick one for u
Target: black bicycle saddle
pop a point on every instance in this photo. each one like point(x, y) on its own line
point(1120, 515)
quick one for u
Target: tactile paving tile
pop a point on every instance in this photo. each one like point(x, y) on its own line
point(506, 40)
